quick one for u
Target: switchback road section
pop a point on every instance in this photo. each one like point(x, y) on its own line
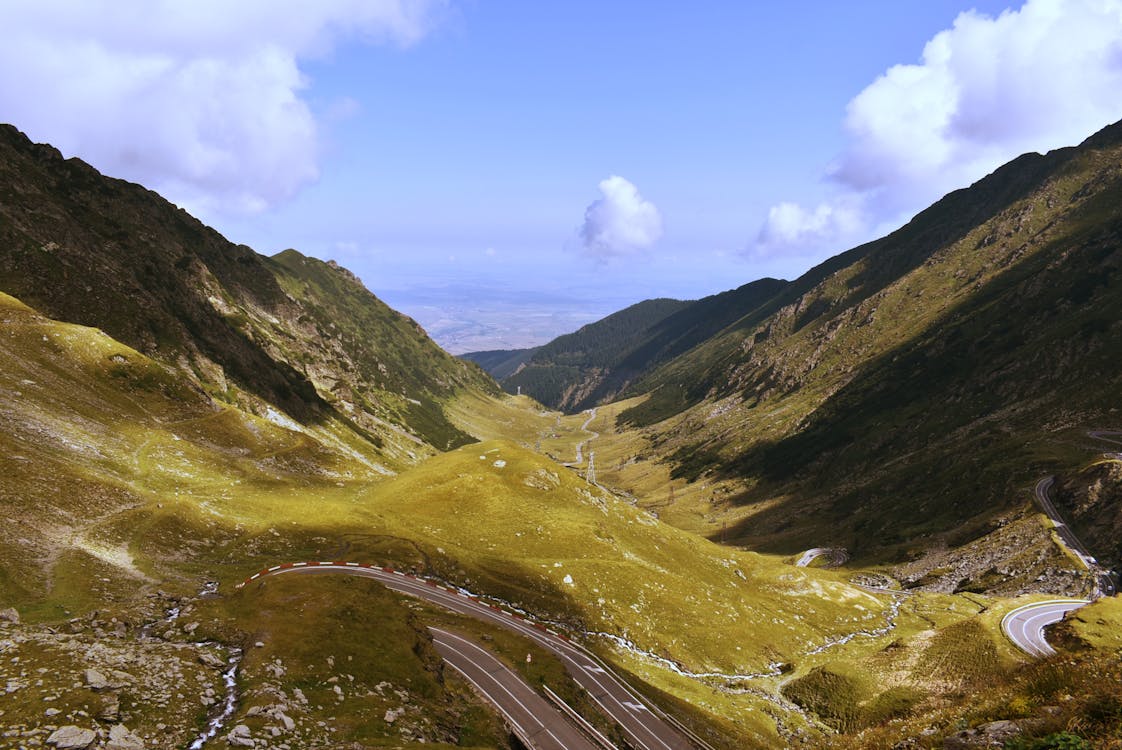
point(1104, 581)
point(645, 726)
point(1025, 624)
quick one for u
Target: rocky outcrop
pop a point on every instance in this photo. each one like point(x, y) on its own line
point(991, 734)
point(71, 737)
point(121, 738)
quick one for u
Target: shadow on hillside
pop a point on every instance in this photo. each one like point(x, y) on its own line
point(883, 262)
point(941, 433)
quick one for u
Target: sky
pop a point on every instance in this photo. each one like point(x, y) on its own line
point(507, 171)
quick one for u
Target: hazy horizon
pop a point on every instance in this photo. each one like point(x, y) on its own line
point(505, 172)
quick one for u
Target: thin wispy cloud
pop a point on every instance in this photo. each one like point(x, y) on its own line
point(985, 91)
point(203, 101)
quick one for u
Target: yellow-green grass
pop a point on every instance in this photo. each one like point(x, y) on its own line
point(326, 631)
point(1098, 625)
point(504, 417)
point(95, 433)
point(120, 483)
point(520, 525)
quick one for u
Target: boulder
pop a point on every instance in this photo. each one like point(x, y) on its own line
point(239, 736)
point(95, 680)
point(210, 660)
point(71, 738)
point(9, 615)
point(991, 734)
point(110, 709)
point(121, 738)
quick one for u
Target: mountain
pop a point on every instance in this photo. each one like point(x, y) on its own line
point(190, 412)
point(573, 369)
point(906, 394)
point(288, 333)
point(501, 363)
point(602, 360)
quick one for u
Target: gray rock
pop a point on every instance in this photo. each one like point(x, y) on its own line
point(110, 709)
point(9, 615)
point(210, 660)
point(239, 736)
point(991, 734)
point(95, 680)
point(121, 738)
point(120, 679)
point(71, 738)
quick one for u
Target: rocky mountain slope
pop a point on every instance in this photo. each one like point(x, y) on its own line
point(253, 408)
point(288, 334)
point(906, 394)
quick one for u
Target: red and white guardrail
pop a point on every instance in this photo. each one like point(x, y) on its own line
point(345, 565)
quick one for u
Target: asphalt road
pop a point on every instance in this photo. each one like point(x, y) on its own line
point(1025, 625)
point(1103, 580)
point(580, 446)
point(838, 556)
point(645, 726)
point(1110, 436)
point(535, 722)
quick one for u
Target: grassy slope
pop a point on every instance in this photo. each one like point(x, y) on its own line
point(974, 334)
point(286, 334)
point(393, 370)
point(123, 479)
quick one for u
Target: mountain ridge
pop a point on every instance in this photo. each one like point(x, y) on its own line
point(245, 328)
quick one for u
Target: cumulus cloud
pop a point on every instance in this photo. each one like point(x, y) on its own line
point(621, 222)
point(790, 225)
point(985, 91)
point(201, 101)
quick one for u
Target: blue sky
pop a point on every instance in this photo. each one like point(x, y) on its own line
point(505, 171)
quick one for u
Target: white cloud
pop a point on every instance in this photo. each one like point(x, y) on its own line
point(985, 91)
point(621, 222)
point(790, 225)
point(201, 100)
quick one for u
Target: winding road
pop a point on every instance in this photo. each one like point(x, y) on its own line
point(536, 723)
point(593, 435)
point(1104, 581)
point(1025, 624)
point(645, 726)
point(838, 556)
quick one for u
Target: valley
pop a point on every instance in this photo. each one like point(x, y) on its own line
point(220, 467)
